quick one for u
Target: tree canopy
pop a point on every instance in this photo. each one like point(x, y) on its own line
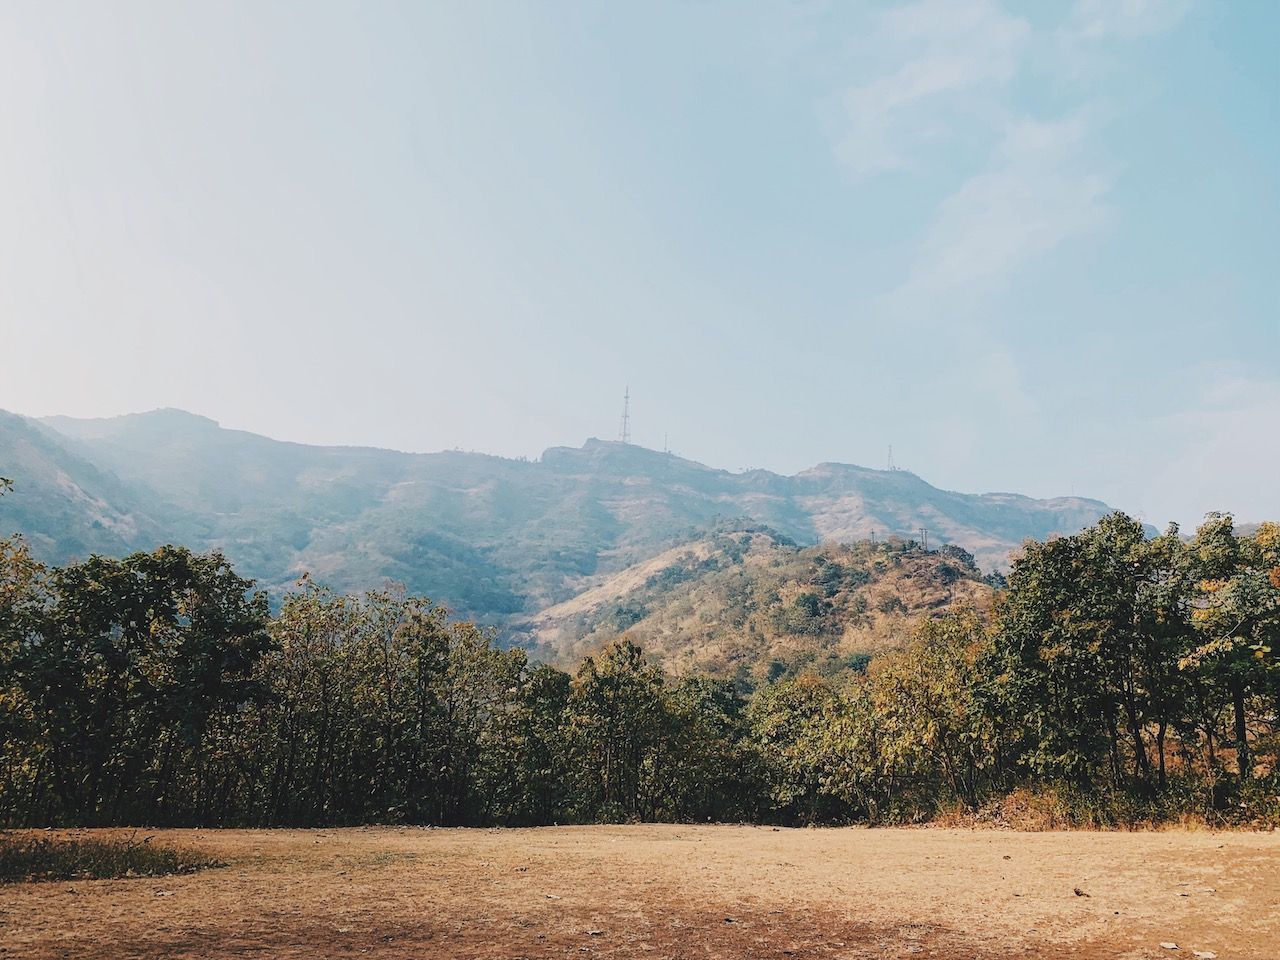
point(1123, 677)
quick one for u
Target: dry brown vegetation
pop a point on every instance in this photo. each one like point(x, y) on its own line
point(672, 891)
point(746, 604)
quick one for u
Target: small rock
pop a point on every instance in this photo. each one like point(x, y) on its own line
point(1080, 893)
point(1168, 945)
point(594, 933)
point(164, 893)
point(1205, 954)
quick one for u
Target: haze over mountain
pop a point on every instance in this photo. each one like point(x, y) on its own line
point(495, 539)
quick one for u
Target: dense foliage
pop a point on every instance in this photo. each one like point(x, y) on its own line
point(1122, 678)
point(744, 603)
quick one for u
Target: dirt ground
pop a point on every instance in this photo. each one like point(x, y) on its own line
point(672, 892)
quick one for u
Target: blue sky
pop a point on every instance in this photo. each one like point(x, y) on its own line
point(1033, 246)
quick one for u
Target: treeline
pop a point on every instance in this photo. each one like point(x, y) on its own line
point(1119, 678)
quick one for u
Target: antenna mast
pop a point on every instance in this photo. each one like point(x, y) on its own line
point(624, 434)
point(891, 466)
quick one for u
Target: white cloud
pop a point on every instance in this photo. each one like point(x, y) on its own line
point(1098, 19)
point(941, 62)
point(1039, 189)
point(945, 85)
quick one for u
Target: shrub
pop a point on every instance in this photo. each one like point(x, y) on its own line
point(31, 857)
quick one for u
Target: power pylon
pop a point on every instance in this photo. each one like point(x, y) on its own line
point(624, 434)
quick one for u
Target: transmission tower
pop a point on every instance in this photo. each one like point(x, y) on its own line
point(624, 434)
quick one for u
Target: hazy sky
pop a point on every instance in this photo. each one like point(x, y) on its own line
point(1035, 247)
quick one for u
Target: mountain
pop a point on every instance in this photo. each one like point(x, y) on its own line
point(745, 603)
point(66, 505)
point(496, 539)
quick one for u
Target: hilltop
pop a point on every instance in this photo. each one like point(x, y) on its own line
point(750, 605)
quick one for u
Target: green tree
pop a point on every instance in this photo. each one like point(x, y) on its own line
point(126, 671)
point(618, 726)
point(1237, 619)
point(937, 738)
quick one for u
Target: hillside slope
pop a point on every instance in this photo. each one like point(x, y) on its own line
point(495, 539)
point(66, 505)
point(751, 605)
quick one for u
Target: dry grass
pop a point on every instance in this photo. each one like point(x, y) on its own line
point(673, 892)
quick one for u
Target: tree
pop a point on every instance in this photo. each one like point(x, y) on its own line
point(789, 723)
point(936, 735)
point(24, 599)
point(1237, 618)
point(1085, 642)
point(126, 670)
point(618, 727)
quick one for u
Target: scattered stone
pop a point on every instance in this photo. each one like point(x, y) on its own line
point(1205, 954)
point(1169, 945)
point(594, 933)
point(1080, 893)
point(164, 893)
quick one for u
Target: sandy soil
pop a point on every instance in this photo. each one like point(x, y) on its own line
point(672, 892)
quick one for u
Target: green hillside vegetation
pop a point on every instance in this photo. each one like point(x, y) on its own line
point(749, 605)
point(496, 540)
point(67, 506)
point(1119, 679)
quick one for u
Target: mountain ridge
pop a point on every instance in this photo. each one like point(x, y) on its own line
point(495, 538)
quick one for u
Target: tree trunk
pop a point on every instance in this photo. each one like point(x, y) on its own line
point(1160, 733)
point(1243, 765)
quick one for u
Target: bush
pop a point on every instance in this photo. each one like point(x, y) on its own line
point(28, 857)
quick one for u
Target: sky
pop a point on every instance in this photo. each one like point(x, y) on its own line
point(1034, 247)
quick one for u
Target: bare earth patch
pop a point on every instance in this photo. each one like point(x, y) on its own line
point(671, 892)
